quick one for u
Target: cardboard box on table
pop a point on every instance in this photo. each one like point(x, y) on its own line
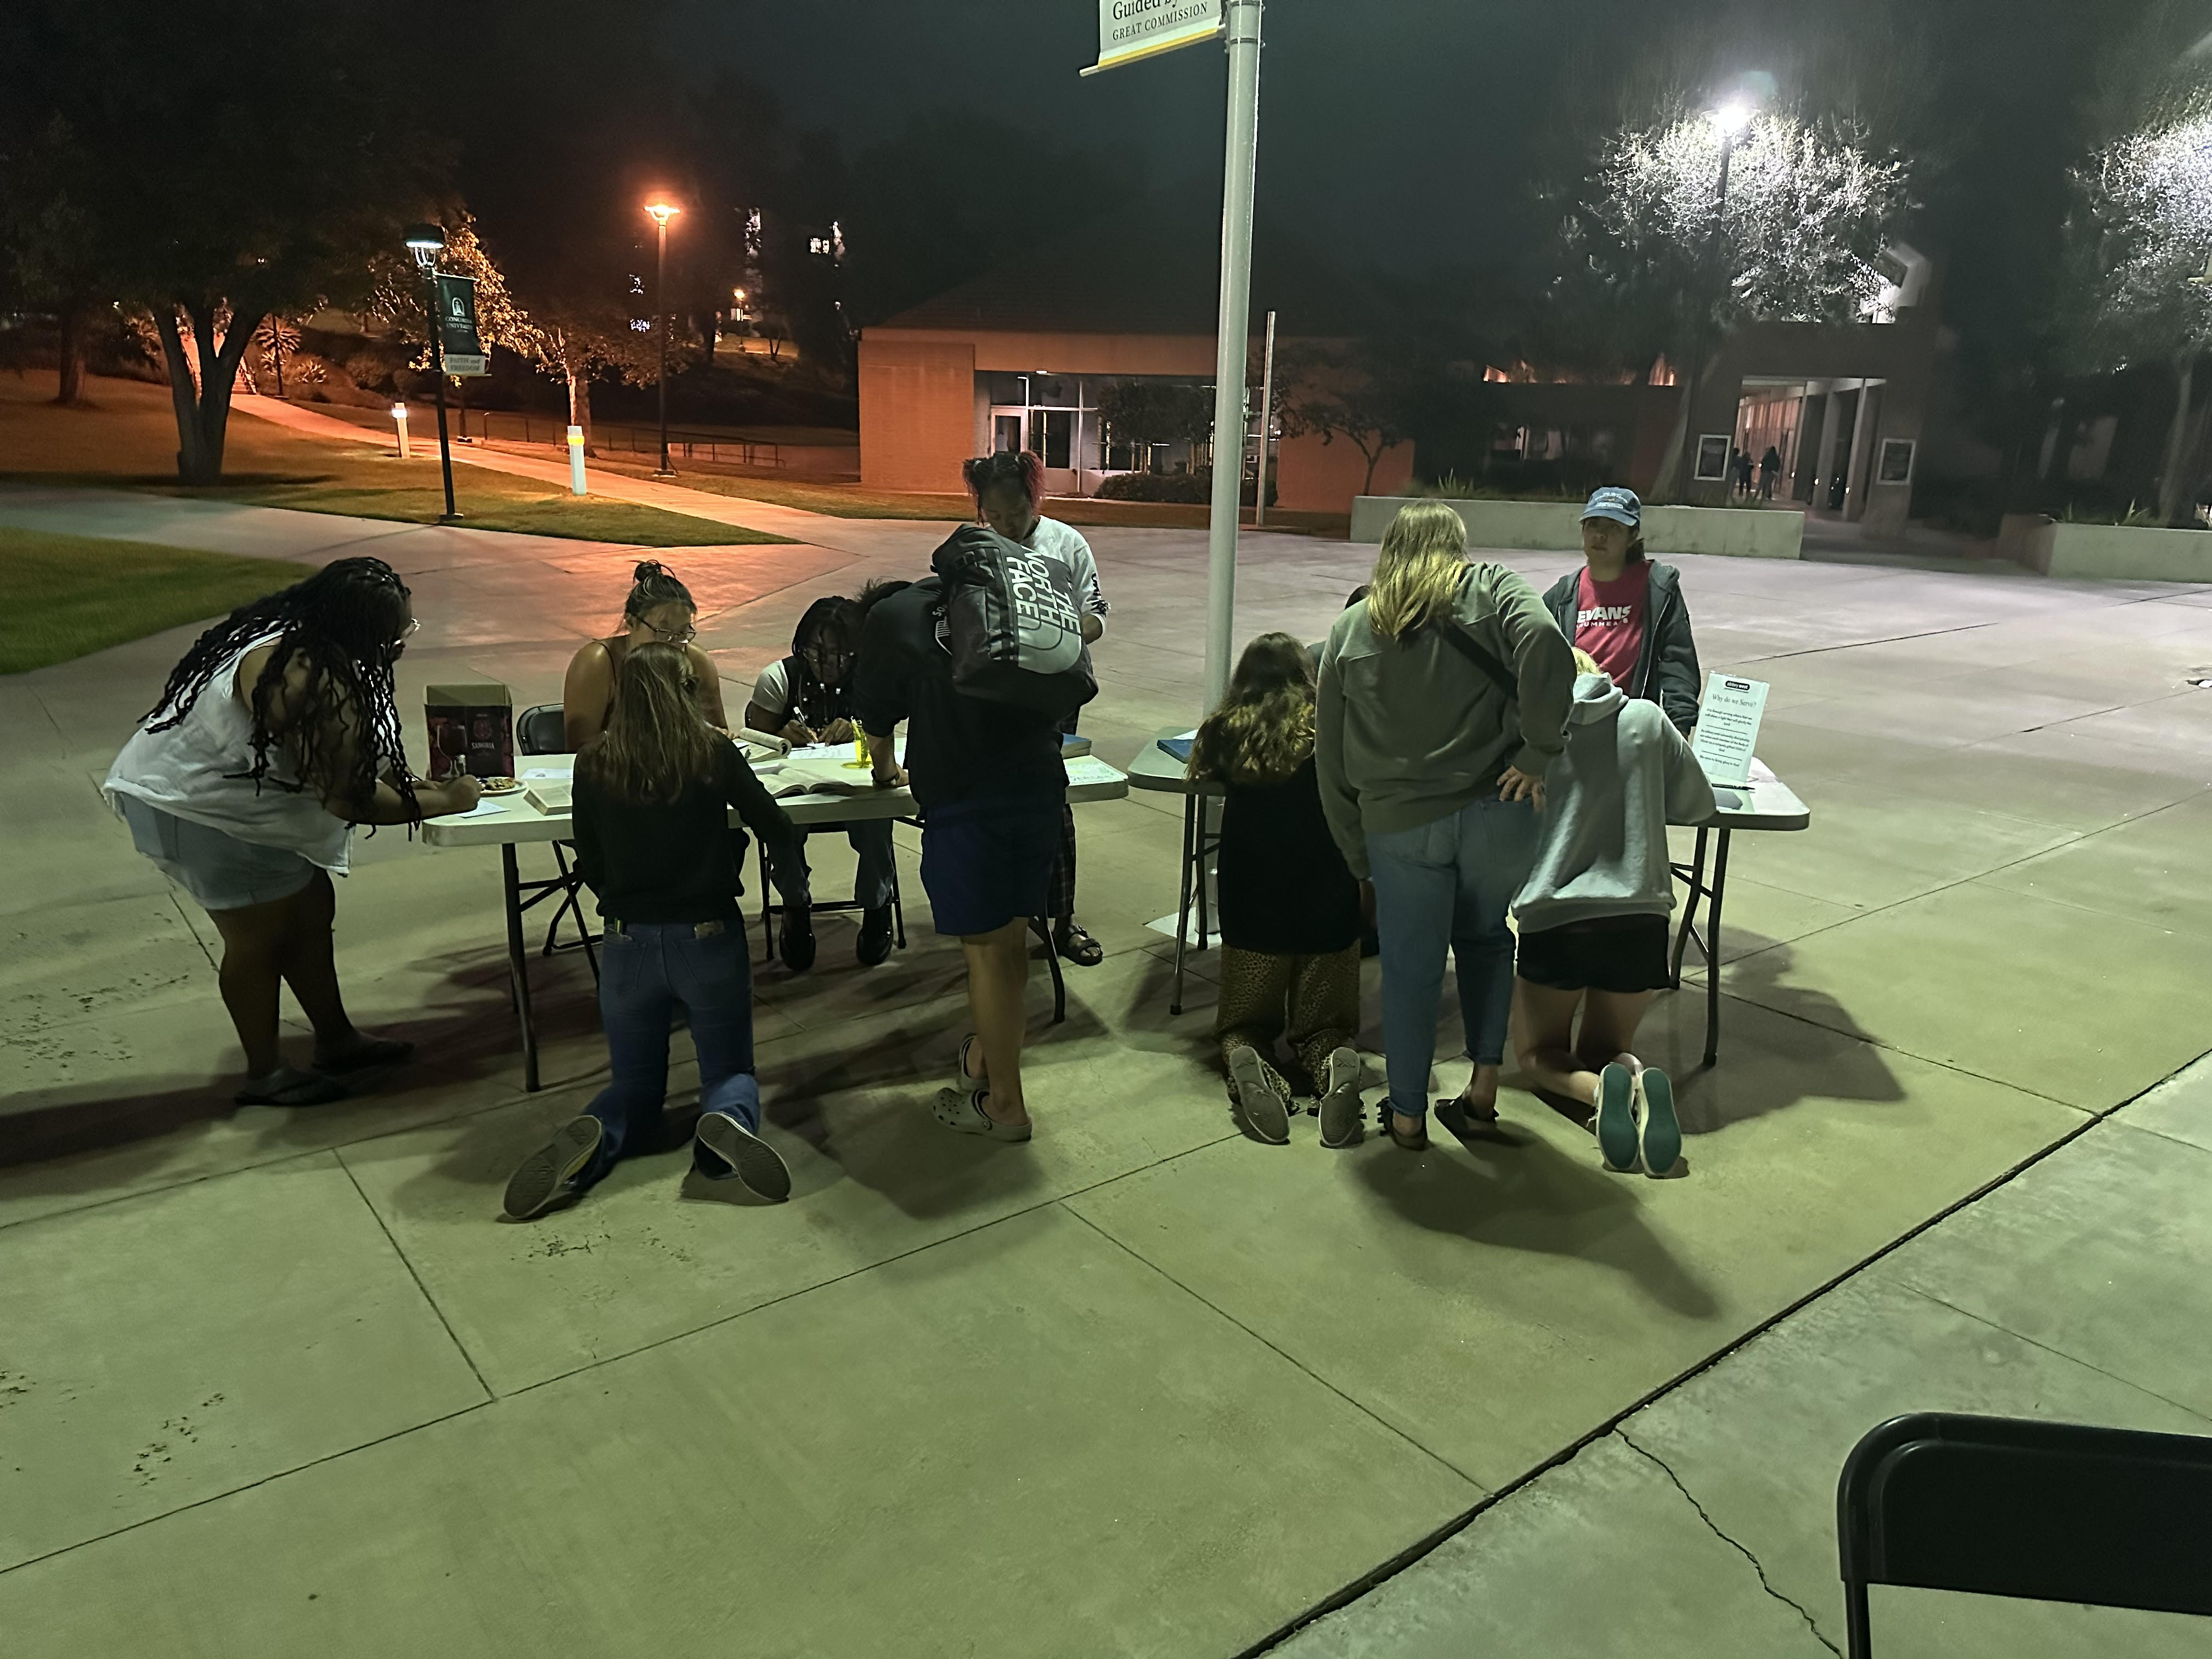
point(471, 731)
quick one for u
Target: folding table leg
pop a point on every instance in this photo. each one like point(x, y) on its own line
point(1183, 899)
point(1713, 950)
point(517, 963)
point(1689, 911)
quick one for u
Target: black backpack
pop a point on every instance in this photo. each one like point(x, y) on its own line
point(1013, 623)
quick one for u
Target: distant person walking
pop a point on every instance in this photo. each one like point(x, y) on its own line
point(1743, 471)
point(1627, 610)
point(276, 734)
point(1770, 472)
point(1592, 917)
point(1290, 907)
point(1443, 699)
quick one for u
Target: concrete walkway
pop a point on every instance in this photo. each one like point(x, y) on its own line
point(1142, 1386)
point(822, 529)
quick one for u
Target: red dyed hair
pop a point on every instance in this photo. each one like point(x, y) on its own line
point(1025, 469)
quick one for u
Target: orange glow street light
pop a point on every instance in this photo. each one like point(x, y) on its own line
point(661, 212)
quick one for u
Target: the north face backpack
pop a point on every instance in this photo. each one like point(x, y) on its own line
point(1012, 624)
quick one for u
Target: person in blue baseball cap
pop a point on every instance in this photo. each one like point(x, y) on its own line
point(1627, 610)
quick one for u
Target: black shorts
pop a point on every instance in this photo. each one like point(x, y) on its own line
point(1605, 953)
point(987, 862)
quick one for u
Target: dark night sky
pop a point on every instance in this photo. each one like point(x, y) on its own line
point(1412, 115)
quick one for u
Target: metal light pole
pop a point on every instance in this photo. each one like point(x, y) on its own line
point(1266, 422)
point(662, 212)
point(425, 243)
point(1238, 163)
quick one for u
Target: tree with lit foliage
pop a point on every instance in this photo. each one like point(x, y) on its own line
point(1653, 247)
point(2138, 238)
point(153, 181)
point(402, 290)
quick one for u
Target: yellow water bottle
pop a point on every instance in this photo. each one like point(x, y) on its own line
point(860, 746)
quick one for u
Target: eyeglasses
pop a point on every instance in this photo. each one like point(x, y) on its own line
point(672, 636)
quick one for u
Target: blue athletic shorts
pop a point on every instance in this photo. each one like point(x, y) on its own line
point(987, 862)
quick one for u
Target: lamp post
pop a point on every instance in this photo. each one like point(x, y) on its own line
point(1730, 119)
point(662, 212)
point(425, 243)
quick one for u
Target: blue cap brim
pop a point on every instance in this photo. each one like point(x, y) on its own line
point(1618, 514)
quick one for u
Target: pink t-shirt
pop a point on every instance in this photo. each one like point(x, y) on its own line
point(1610, 618)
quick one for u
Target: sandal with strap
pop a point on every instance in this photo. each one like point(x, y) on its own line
point(1416, 1142)
point(1465, 1124)
point(973, 1085)
point(1076, 946)
point(288, 1087)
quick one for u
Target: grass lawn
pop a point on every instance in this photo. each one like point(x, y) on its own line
point(129, 441)
point(63, 596)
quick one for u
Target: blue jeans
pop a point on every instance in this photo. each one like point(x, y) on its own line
point(1447, 884)
point(871, 845)
point(645, 969)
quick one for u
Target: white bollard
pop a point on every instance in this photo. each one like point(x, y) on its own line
point(399, 419)
point(575, 460)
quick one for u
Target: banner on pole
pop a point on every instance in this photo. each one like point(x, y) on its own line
point(457, 325)
point(1130, 29)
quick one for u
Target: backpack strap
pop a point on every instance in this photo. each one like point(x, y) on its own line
point(1468, 646)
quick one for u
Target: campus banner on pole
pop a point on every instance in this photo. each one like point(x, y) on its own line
point(1131, 29)
point(457, 325)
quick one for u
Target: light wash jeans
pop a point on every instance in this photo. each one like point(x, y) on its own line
point(645, 969)
point(1446, 885)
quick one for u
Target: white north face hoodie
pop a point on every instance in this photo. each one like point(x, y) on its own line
point(1627, 775)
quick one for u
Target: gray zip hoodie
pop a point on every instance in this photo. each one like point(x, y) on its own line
point(1627, 773)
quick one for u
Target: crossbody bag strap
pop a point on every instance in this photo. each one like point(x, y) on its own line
point(1468, 646)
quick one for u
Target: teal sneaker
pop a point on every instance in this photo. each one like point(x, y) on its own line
point(1616, 1117)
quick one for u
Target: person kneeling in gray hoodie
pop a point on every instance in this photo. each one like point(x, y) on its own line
point(1592, 917)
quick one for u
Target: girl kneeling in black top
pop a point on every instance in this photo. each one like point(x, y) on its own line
point(1290, 906)
point(651, 798)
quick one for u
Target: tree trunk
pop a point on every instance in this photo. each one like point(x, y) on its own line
point(1373, 458)
point(580, 408)
point(202, 407)
point(70, 393)
point(1668, 485)
point(2173, 482)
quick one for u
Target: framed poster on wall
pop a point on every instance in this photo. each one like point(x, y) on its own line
point(1713, 457)
point(1895, 466)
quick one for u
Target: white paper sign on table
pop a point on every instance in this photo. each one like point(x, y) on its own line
point(1728, 727)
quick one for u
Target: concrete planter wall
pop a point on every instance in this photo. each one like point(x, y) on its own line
point(2106, 549)
point(1771, 532)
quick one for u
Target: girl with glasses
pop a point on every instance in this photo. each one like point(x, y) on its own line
point(659, 610)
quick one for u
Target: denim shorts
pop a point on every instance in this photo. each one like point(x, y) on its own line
point(222, 871)
point(987, 862)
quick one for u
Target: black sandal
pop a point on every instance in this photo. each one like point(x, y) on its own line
point(1416, 1142)
point(1078, 946)
point(1468, 1125)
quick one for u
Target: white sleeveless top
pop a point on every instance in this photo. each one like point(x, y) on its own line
point(185, 772)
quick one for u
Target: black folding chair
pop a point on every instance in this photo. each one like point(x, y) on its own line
point(2042, 1511)
point(773, 906)
point(542, 731)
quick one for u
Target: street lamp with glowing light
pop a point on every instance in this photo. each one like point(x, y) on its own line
point(425, 243)
point(661, 212)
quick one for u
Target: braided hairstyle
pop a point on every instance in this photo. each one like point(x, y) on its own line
point(1025, 469)
point(652, 585)
point(347, 625)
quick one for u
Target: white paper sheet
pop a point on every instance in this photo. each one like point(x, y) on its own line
point(1728, 727)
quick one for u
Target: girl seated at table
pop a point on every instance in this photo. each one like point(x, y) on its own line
point(1290, 907)
point(1592, 917)
point(658, 611)
point(652, 792)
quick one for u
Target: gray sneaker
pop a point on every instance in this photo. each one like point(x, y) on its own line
point(722, 1147)
point(555, 1172)
point(956, 1109)
point(1340, 1124)
point(1259, 1108)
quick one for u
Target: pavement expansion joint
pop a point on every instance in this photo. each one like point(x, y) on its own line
point(1798, 1608)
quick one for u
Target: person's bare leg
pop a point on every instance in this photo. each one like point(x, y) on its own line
point(1548, 1053)
point(311, 970)
point(998, 976)
point(252, 953)
point(1609, 1021)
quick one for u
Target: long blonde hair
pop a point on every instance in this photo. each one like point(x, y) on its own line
point(1419, 568)
point(656, 744)
point(1264, 729)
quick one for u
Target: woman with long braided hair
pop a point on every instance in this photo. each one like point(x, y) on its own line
point(275, 736)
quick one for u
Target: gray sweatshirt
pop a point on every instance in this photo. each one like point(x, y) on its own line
point(1626, 775)
point(1408, 731)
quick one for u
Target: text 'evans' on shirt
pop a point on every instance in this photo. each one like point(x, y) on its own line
point(1610, 618)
